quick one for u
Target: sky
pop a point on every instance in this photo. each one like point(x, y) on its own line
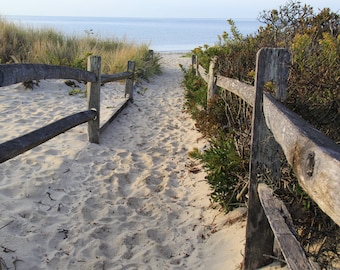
point(152, 8)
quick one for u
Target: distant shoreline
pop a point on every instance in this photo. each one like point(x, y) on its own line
point(144, 18)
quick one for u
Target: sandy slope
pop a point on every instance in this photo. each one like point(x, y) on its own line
point(130, 202)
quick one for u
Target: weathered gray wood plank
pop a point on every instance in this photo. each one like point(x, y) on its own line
point(202, 73)
point(243, 90)
point(15, 73)
point(195, 64)
point(17, 146)
point(93, 97)
point(113, 116)
point(105, 78)
point(281, 224)
point(270, 66)
point(130, 81)
point(314, 157)
point(212, 89)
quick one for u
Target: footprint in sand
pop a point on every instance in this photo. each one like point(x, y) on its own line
point(154, 183)
point(134, 202)
point(123, 212)
point(156, 235)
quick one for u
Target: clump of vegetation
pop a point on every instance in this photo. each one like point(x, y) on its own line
point(77, 91)
point(30, 84)
point(47, 46)
point(313, 92)
point(225, 161)
point(224, 170)
point(196, 94)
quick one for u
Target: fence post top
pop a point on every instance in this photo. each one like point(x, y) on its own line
point(273, 64)
point(94, 56)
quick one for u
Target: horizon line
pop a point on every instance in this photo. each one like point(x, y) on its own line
point(129, 17)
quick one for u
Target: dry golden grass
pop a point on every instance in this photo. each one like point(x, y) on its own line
point(29, 45)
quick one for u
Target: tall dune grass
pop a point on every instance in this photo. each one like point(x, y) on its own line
point(48, 46)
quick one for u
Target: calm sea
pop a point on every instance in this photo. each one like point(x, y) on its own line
point(163, 35)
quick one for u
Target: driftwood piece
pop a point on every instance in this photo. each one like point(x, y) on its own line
point(281, 223)
point(93, 97)
point(15, 73)
point(17, 146)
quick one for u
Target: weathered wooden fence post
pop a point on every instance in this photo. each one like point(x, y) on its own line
point(271, 65)
point(212, 88)
point(129, 81)
point(194, 63)
point(93, 97)
point(150, 55)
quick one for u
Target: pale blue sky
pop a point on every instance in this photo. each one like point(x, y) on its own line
point(151, 8)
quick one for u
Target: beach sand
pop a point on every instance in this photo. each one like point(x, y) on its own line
point(132, 202)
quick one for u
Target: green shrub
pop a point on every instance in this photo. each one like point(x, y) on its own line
point(196, 92)
point(314, 41)
point(313, 92)
point(314, 81)
point(224, 172)
point(226, 166)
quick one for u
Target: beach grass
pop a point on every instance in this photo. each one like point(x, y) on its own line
point(23, 44)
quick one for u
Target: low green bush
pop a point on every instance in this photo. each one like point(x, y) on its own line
point(225, 166)
point(224, 172)
point(196, 92)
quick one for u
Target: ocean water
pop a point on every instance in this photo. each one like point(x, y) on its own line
point(162, 35)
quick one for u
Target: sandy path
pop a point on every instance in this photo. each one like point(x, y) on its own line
point(128, 203)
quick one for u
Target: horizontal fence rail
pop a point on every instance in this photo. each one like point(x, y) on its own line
point(281, 223)
point(17, 146)
point(105, 78)
point(113, 117)
point(15, 73)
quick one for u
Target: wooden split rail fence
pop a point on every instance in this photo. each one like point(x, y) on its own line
point(15, 73)
point(314, 158)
